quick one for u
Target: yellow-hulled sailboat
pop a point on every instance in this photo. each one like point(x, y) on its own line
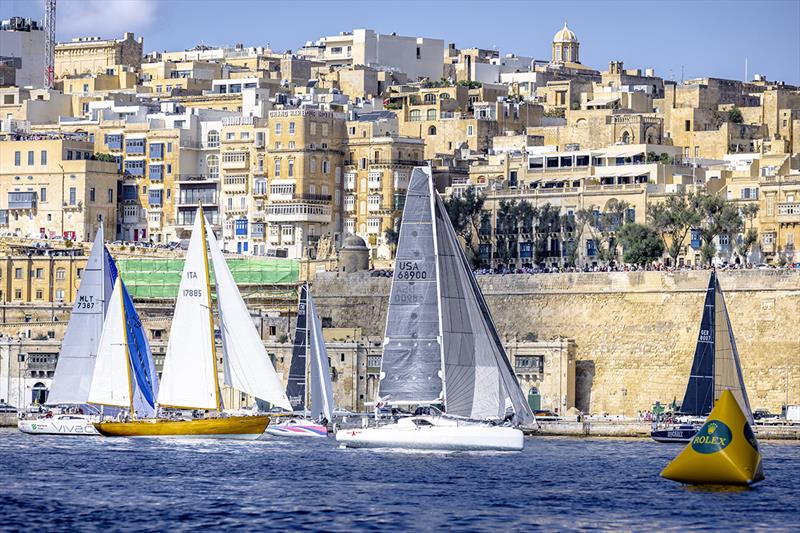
point(189, 378)
point(724, 451)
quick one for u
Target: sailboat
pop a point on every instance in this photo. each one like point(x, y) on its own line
point(441, 347)
point(189, 378)
point(313, 405)
point(715, 368)
point(76, 359)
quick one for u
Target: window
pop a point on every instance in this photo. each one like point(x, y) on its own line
point(134, 146)
point(432, 130)
point(59, 295)
point(324, 132)
point(17, 273)
point(30, 157)
point(325, 166)
point(213, 166)
point(415, 115)
point(724, 240)
point(290, 169)
point(313, 165)
point(373, 225)
point(469, 130)
point(277, 168)
point(529, 364)
point(212, 139)
point(18, 294)
point(111, 196)
point(419, 52)
point(91, 194)
point(43, 157)
point(291, 128)
point(431, 114)
point(43, 194)
point(363, 163)
point(169, 147)
point(61, 273)
point(231, 135)
point(278, 127)
point(39, 294)
point(73, 196)
point(17, 159)
point(688, 125)
point(312, 126)
point(535, 162)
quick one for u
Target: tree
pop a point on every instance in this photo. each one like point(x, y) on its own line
point(641, 244)
point(735, 116)
point(604, 226)
point(548, 226)
point(466, 213)
point(750, 236)
point(718, 217)
point(393, 235)
point(672, 220)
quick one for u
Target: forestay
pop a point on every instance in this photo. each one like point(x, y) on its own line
point(111, 381)
point(247, 365)
point(411, 366)
point(188, 379)
point(75, 367)
point(321, 385)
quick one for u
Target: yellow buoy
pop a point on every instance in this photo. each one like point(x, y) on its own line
point(724, 451)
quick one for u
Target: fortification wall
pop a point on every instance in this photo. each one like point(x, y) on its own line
point(634, 332)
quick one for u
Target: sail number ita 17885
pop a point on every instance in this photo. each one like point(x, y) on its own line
point(410, 271)
point(194, 293)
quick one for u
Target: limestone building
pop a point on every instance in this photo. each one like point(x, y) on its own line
point(22, 43)
point(54, 187)
point(95, 55)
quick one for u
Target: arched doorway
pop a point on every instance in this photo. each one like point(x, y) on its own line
point(39, 394)
point(535, 399)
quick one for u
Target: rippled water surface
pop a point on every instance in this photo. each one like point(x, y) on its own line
point(81, 483)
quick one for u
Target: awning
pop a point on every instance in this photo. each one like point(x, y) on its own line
point(622, 151)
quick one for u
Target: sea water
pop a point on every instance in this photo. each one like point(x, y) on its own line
point(80, 483)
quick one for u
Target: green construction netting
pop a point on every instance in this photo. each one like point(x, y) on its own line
point(159, 278)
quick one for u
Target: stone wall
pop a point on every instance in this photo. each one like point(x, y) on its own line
point(634, 333)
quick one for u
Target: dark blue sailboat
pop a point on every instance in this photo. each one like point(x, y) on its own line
point(715, 368)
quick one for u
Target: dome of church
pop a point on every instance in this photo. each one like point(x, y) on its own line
point(565, 35)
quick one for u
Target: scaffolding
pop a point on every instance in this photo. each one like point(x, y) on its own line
point(158, 279)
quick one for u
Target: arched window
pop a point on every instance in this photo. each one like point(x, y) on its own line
point(432, 130)
point(213, 139)
point(38, 394)
point(415, 115)
point(626, 138)
point(431, 114)
point(430, 98)
point(213, 166)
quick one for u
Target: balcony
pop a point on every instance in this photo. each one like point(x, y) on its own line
point(197, 178)
point(299, 212)
point(235, 160)
point(789, 212)
point(391, 162)
point(3, 217)
point(196, 197)
point(21, 201)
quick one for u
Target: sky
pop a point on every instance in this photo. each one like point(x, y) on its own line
point(679, 39)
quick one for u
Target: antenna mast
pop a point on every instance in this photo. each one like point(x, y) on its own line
point(50, 42)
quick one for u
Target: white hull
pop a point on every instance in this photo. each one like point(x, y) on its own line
point(59, 425)
point(434, 434)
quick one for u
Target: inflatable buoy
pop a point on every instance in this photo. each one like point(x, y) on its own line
point(724, 451)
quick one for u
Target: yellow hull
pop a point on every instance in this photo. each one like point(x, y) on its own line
point(234, 427)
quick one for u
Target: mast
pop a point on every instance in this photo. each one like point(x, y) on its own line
point(210, 309)
point(432, 194)
point(127, 348)
point(306, 375)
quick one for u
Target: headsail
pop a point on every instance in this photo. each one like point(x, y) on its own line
point(411, 366)
point(189, 377)
point(247, 365)
point(321, 386)
point(296, 385)
point(716, 366)
point(73, 375)
point(479, 379)
point(727, 367)
point(111, 380)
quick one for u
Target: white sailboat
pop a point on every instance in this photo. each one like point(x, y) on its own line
point(76, 359)
point(189, 378)
point(312, 404)
point(441, 346)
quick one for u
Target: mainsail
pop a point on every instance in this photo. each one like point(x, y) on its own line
point(439, 324)
point(73, 375)
point(189, 377)
point(111, 380)
point(411, 366)
point(296, 384)
point(247, 365)
point(321, 386)
point(716, 366)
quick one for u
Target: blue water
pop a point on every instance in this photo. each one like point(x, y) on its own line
point(80, 483)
